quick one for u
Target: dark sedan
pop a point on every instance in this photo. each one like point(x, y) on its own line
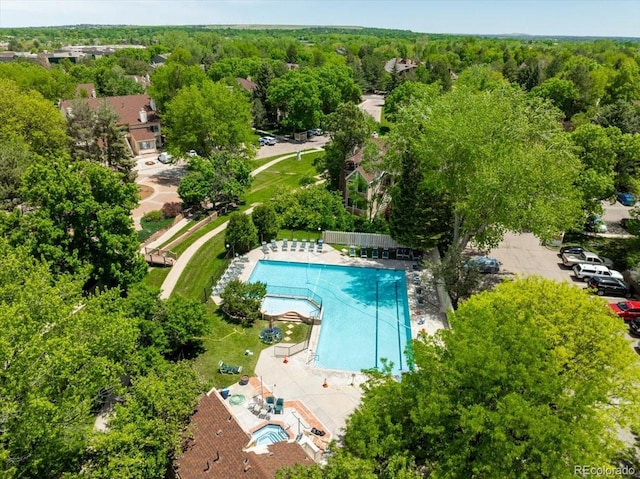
point(634, 327)
point(604, 286)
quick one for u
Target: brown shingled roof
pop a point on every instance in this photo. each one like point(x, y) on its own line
point(247, 84)
point(127, 107)
point(216, 448)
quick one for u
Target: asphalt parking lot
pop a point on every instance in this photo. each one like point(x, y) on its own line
point(523, 254)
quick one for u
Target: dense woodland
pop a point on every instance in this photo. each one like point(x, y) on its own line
point(485, 135)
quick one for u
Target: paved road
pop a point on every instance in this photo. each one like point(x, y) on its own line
point(284, 147)
point(373, 104)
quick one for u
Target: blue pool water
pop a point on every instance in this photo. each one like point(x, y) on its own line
point(270, 434)
point(366, 311)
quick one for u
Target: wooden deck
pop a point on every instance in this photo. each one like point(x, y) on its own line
point(159, 260)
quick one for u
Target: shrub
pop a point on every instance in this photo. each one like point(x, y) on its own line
point(172, 209)
point(306, 180)
point(153, 216)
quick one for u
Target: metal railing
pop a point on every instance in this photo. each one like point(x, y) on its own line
point(291, 292)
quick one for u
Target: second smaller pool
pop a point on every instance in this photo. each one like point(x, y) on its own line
point(270, 434)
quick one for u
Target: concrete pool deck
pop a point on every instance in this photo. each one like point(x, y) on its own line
point(298, 378)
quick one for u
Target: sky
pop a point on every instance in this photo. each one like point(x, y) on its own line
point(618, 18)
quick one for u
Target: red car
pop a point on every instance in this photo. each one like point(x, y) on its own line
point(627, 310)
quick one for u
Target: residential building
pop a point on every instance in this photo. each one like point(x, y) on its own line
point(137, 115)
point(364, 184)
point(217, 447)
point(401, 65)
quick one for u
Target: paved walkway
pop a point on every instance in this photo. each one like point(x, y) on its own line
point(178, 267)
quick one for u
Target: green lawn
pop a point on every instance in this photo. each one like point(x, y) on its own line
point(150, 227)
point(204, 269)
point(285, 174)
point(227, 342)
point(208, 263)
point(155, 277)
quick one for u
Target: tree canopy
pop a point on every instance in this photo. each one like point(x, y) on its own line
point(206, 118)
point(495, 148)
point(533, 379)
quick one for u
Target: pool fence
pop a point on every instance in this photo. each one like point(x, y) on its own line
point(287, 351)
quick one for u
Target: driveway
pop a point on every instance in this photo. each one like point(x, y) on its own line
point(163, 183)
point(522, 254)
point(282, 147)
point(372, 104)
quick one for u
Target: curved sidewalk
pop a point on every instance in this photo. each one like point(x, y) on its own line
point(178, 267)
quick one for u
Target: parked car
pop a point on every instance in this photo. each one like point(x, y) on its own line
point(627, 310)
point(570, 260)
point(484, 264)
point(192, 153)
point(314, 132)
point(634, 327)
point(572, 250)
point(165, 157)
point(626, 199)
point(267, 140)
point(610, 287)
point(595, 224)
point(585, 271)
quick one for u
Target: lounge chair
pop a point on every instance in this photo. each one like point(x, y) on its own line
point(294, 244)
point(265, 248)
point(228, 368)
point(385, 253)
point(271, 402)
point(285, 245)
point(352, 251)
point(303, 245)
point(274, 245)
point(319, 246)
point(279, 408)
point(311, 246)
point(363, 252)
point(374, 253)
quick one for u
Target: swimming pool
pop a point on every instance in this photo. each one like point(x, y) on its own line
point(276, 305)
point(270, 434)
point(366, 311)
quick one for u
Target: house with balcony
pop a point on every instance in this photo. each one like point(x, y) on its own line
point(137, 115)
point(364, 182)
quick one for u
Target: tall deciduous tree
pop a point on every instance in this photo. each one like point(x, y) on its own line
point(220, 178)
point(167, 80)
point(94, 135)
point(501, 159)
point(406, 93)
point(298, 100)
point(27, 117)
point(208, 118)
point(241, 233)
point(598, 155)
point(78, 216)
point(534, 378)
point(562, 93)
point(349, 128)
point(241, 301)
point(266, 220)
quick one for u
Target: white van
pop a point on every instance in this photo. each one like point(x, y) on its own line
point(586, 271)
